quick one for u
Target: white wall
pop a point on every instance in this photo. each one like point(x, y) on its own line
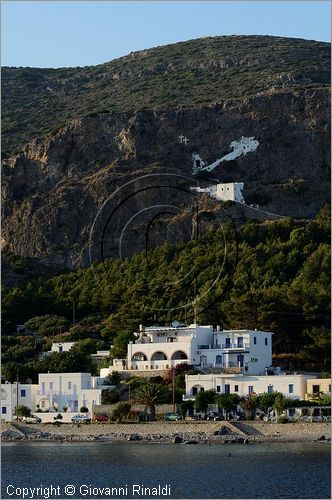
point(201, 345)
point(259, 383)
point(259, 355)
point(240, 147)
point(73, 390)
point(53, 393)
point(169, 341)
point(9, 398)
point(62, 346)
point(66, 416)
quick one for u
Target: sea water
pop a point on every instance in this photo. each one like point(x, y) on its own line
point(146, 470)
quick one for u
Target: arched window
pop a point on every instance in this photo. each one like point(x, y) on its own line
point(44, 404)
point(139, 356)
point(196, 389)
point(158, 356)
point(179, 355)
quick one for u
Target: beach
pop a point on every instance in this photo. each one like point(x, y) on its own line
point(168, 432)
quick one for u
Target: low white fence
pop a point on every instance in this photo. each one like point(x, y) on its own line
point(66, 417)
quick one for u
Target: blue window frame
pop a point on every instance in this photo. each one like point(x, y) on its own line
point(250, 389)
point(227, 389)
point(255, 340)
point(265, 341)
point(23, 393)
point(290, 388)
point(3, 410)
point(228, 342)
point(270, 389)
point(240, 360)
point(236, 388)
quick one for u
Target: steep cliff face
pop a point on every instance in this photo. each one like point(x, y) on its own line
point(74, 196)
point(186, 75)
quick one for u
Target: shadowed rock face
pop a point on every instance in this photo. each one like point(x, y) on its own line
point(89, 189)
point(52, 191)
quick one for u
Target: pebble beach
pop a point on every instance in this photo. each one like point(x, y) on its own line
point(169, 432)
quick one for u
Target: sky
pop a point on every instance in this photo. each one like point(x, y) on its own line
point(79, 33)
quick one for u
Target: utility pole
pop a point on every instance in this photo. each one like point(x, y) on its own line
point(17, 396)
point(173, 390)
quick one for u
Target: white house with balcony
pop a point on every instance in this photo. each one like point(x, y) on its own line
point(53, 393)
point(291, 386)
point(164, 347)
point(57, 391)
point(16, 394)
point(237, 351)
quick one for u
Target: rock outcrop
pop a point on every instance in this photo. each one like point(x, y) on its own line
point(52, 192)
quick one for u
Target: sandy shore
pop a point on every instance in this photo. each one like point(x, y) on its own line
point(186, 432)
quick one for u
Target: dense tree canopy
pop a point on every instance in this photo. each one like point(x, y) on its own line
point(273, 276)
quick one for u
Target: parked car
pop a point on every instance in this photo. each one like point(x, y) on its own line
point(214, 415)
point(33, 419)
point(173, 417)
point(101, 418)
point(81, 419)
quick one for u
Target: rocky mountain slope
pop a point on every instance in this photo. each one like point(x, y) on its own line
point(72, 195)
point(185, 75)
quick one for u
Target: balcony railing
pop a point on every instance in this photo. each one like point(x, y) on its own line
point(222, 368)
point(231, 369)
point(243, 345)
point(223, 346)
point(208, 346)
point(162, 364)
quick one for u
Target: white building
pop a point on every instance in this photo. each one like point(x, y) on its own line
point(13, 395)
point(238, 351)
point(162, 348)
point(53, 393)
point(101, 355)
point(291, 386)
point(59, 347)
point(69, 390)
point(62, 346)
point(230, 191)
point(67, 346)
point(231, 351)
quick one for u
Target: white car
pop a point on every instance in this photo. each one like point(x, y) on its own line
point(81, 419)
point(33, 419)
